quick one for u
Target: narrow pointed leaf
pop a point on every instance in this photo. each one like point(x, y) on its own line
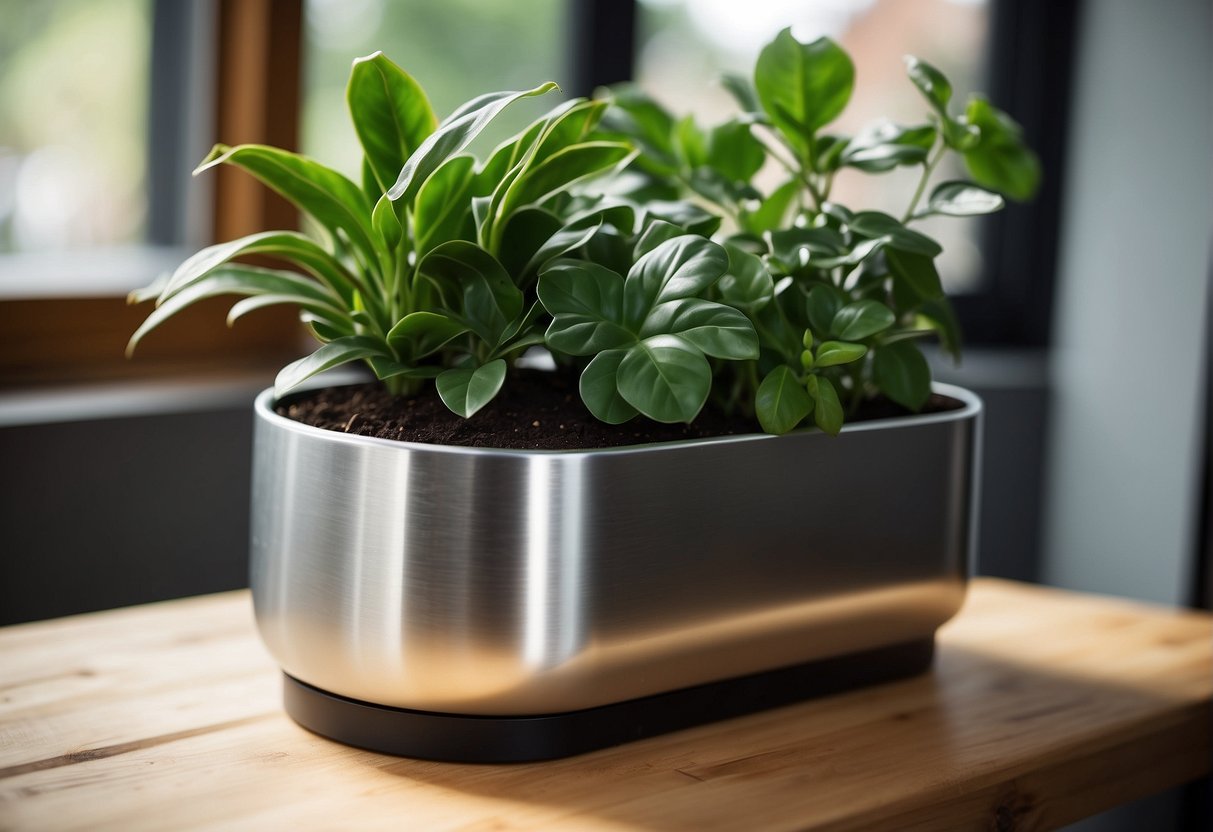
point(331, 199)
point(419, 334)
point(443, 208)
point(333, 354)
point(287, 245)
point(237, 280)
point(391, 115)
point(452, 136)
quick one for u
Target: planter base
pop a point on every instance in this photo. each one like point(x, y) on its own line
point(517, 739)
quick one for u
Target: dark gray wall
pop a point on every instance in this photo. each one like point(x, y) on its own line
point(101, 513)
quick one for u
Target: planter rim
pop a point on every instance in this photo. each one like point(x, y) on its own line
point(264, 409)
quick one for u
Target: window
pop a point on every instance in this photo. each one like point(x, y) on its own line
point(188, 72)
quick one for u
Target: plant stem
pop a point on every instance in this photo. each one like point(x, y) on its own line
point(927, 170)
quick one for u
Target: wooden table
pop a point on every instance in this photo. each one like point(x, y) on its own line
point(1044, 707)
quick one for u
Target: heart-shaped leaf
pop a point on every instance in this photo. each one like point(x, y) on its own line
point(487, 299)
point(465, 391)
point(421, 333)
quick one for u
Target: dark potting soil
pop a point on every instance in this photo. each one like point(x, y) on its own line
point(535, 410)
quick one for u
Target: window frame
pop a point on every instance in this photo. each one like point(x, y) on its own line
point(255, 73)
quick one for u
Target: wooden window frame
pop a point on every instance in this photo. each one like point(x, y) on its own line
point(69, 340)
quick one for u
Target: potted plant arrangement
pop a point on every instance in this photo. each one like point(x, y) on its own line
point(519, 600)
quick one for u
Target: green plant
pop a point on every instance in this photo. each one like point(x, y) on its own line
point(425, 270)
point(838, 297)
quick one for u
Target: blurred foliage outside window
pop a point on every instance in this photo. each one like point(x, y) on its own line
point(685, 45)
point(73, 123)
point(456, 49)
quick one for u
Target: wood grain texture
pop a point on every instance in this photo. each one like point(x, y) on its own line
point(1043, 707)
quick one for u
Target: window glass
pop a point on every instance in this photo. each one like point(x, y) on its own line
point(73, 124)
point(685, 45)
point(456, 49)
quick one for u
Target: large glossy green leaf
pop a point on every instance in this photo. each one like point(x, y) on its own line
point(241, 280)
point(665, 378)
point(287, 245)
point(576, 233)
point(1000, 160)
point(558, 171)
point(334, 322)
point(600, 389)
point(822, 305)
point(570, 123)
point(465, 391)
point(917, 270)
point(678, 268)
point(585, 301)
point(796, 247)
point(874, 224)
point(803, 86)
point(391, 115)
point(861, 319)
point(452, 136)
point(419, 334)
point(443, 208)
point(655, 233)
point(718, 330)
point(525, 233)
point(733, 150)
point(781, 402)
point(902, 374)
point(747, 285)
point(332, 200)
point(488, 301)
point(333, 354)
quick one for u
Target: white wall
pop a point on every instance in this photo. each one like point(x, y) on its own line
point(1122, 466)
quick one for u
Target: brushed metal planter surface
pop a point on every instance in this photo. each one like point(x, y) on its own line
point(509, 582)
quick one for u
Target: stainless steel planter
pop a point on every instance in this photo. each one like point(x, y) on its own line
point(503, 582)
